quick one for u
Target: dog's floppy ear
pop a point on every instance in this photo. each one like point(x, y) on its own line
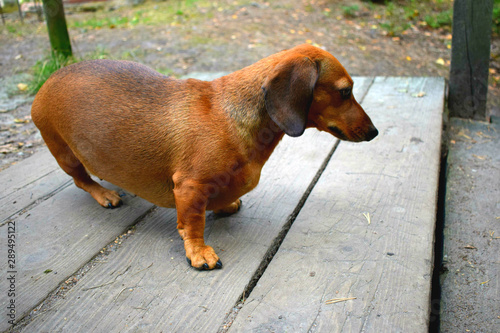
point(288, 93)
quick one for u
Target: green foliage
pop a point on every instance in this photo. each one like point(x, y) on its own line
point(150, 13)
point(44, 68)
point(396, 16)
point(496, 17)
point(111, 21)
point(377, 1)
point(393, 29)
point(350, 11)
point(438, 20)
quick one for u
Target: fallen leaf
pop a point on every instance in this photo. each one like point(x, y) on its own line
point(408, 58)
point(479, 157)
point(6, 149)
point(22, 86)
point(419, 94)
point(461, 133)
point(470, 247)
point(19, 56)
point(485, 282)
point(21, 121)
point(440, 61)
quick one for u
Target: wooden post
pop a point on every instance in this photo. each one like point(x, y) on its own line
point(56, 25)
point(470, 58)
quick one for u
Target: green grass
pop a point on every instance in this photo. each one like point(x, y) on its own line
point(496, 17)
point(151, 13)
point(111, 22)
point(44, 68)
point(396, 16)
point(350, 11)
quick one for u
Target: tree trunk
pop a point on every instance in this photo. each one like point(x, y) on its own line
point(56, 25)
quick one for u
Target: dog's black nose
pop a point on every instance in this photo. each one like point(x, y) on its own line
point(372, 133)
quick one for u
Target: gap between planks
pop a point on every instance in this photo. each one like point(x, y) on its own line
point(37, 201)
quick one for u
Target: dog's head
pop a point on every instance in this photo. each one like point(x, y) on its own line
point(310, 88)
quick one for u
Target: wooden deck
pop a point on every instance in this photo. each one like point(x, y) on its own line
point(328, 220)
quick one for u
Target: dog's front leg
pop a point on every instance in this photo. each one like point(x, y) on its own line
point(191, 202)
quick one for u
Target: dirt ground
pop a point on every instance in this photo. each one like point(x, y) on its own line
point(225, 36)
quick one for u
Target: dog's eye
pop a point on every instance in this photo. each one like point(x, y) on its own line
point(345, 93)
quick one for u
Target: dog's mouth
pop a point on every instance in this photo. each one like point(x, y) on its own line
point(355, 137)
point(338, 133)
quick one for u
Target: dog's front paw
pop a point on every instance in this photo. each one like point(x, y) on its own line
point(201, 256)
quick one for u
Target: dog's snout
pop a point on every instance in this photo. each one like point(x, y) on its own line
point(372, 133)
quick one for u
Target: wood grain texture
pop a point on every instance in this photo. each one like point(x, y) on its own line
point(471, 284)
point(333, 251)
point(61, 234)
point(29, 181)
point(470, 58)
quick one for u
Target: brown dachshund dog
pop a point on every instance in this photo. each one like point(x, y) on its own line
point(190, 144)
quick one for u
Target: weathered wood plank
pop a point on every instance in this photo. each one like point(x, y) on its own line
point(333, 251)
point(29, 181)
point(470, 58)
point(470, 292)
point(61, 234)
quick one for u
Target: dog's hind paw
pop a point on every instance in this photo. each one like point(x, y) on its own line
point(229, 210)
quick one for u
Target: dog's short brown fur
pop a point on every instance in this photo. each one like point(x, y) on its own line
point(190, 144)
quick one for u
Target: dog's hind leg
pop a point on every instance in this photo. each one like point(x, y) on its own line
point(73, 167)
point(229, 210)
